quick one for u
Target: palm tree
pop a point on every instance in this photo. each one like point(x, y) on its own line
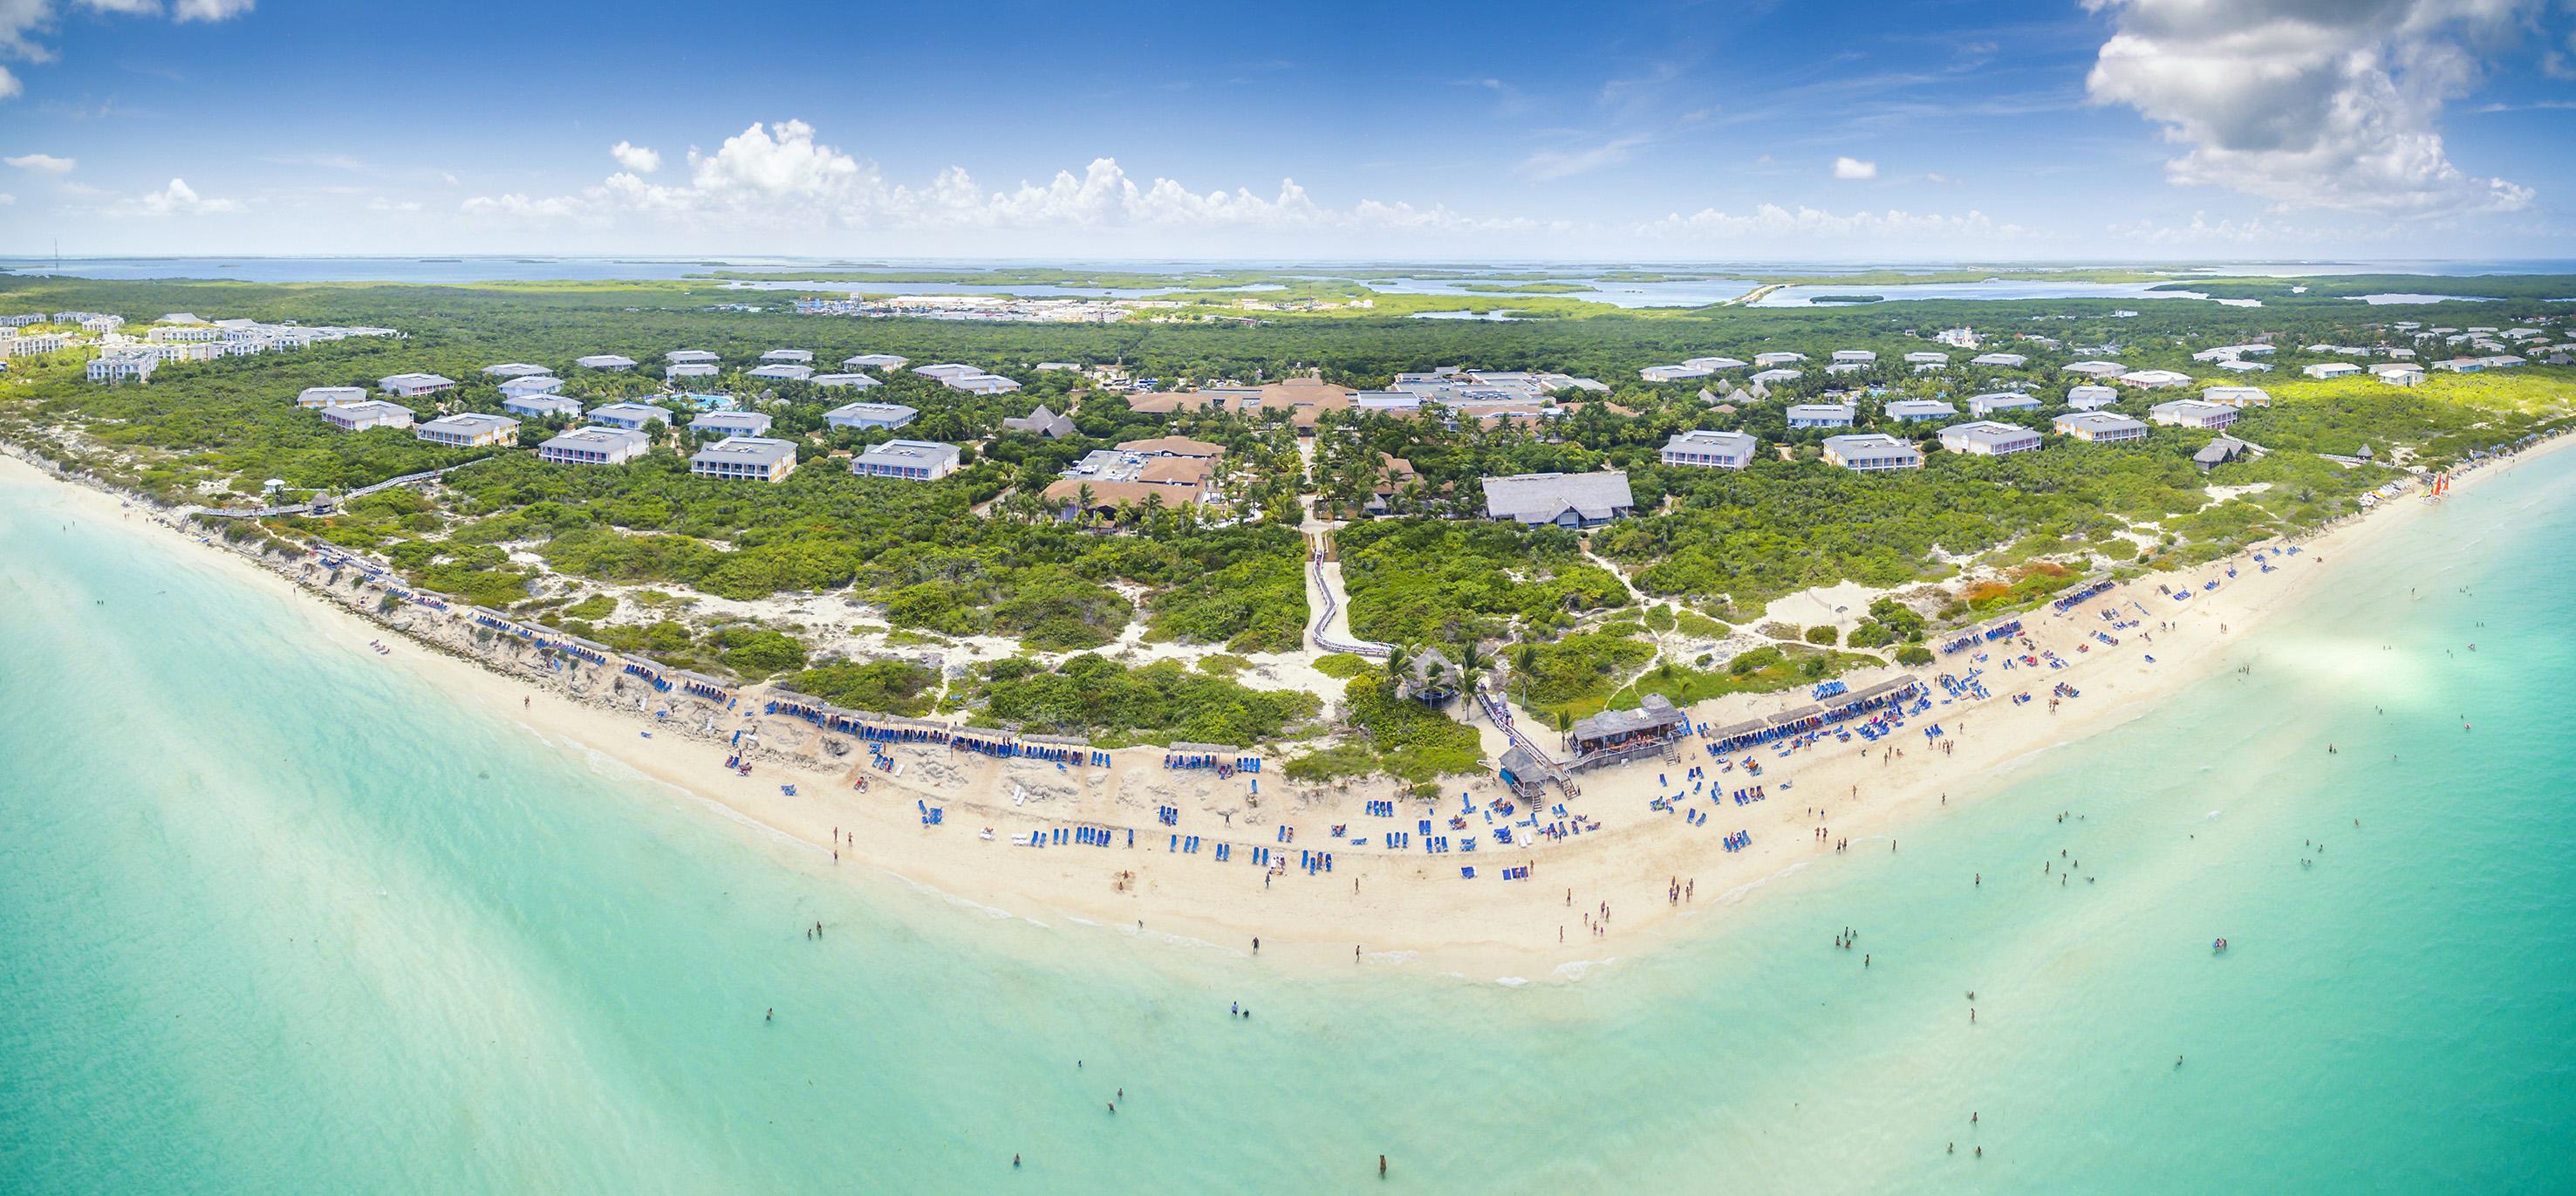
point(1524, 664)
point(1399, 668)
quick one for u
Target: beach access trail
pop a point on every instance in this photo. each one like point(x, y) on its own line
point(1381, 907)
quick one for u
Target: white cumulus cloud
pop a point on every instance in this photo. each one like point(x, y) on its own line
point(780, 178)
point(42, 163)
point(2311, 103)
point(1854, 168)
point(177, 199)
point(24, 22)
point(210, 10)
point(637, 158)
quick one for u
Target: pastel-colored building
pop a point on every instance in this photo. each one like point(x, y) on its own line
point(371, 413)
point(632, 416)
point(2100, 427)
point(413, 386)
point(330, 396)
point(2002, 400)
point(542, 406)
point(1820, 415)
point(863, 416)
point(2237, 396)
point(911, 460)
point(1906, 411)
point(755, 458)
point(1710, 450)
point(844, 382)
point(1871, 452)
point(2192, 413)
point(595, 446)
point(2088, 398)
point(471, 429)
point(732, 423)
point(1986, 438)
point(532, 384)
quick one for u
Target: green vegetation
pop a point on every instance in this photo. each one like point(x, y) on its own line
point(1400, 738)
point(1157, 703)
point(1414, 582)
point(1762, 670)
point(881, 686)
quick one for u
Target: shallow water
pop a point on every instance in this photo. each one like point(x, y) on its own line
point(280, 917)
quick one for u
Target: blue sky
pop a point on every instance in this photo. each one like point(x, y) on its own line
point(1916, 130)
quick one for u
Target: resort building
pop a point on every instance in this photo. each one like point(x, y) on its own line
point(870, 415)
point(843, 381)
point(2154, 379)
point(2086, 398)
point(515, 369)
point(1855, 357)
point(1673, 373)
point(732, 423)
point(914, 460)
point(1040, 422)
point(1986, 438)
point(1820, 415)
point(1846, 367)
point(792, 356)
point(595, 446)
point(757, 458)
point(689, 369)
point(2010, 361)
point(1713, 364)
point(1710, 450)
point(2192, 413)
point(371, 413)
point(122, 366)
point(2330, 369)
point(1768, 377)
point(1780, 358)
point(2100, 427)
point(1927, 357)
point(330, 396)
point(784, 371)
point(875, 361)
point(981, 384)
point(1651, 728)
point(2006, 400)
point(532, 384)
point(413, 386)
point(631, 416)
point(1906, 411)
point(2398, 373)
point(2237, 396)
point(1571, 500)
point(542, 406)
point(1870, 452)
point(2235, 366)
point(691, 357)
point(472, 429)
point(2095, 369)
point(605, 361)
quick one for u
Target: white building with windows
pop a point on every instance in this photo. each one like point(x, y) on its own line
point(1871, 452)
point(471, 429)
point(117, 366)
point(1710, 450)
point(2002, 400)
point(863, 416)
point(605, 361)
point(844, 382)
point(595, 446)
point(2154, 379)
point(2192, 413)
point(691, 357)
point(532, 384)
point(1986, 438)
point(2330, 369)
point(330, 396)
point(755, 458)
point(1906, 411)
point(790, 356)
point(689, 369)
point(2087, 398)
point(372, 413)
point(1820, 415)
point(515, 369)
point(875, 361)
point(2009, 361)
point(2236, 396)
point(2095, 369)
point(1855, 357)
point(784, 371)
point(910, 460)
point(631, 416)
point(2100, 427)
point(1781, 357)
point(413, 386)
point(732, 423)
point(542, 406)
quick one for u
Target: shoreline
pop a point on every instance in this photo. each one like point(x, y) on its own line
point(1485, 930)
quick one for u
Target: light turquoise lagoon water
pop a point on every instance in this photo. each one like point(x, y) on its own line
point(275, 917)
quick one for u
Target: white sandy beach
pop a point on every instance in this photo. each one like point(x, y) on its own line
point(1395, 907)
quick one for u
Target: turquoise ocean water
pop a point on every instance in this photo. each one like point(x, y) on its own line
point(275, 917)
